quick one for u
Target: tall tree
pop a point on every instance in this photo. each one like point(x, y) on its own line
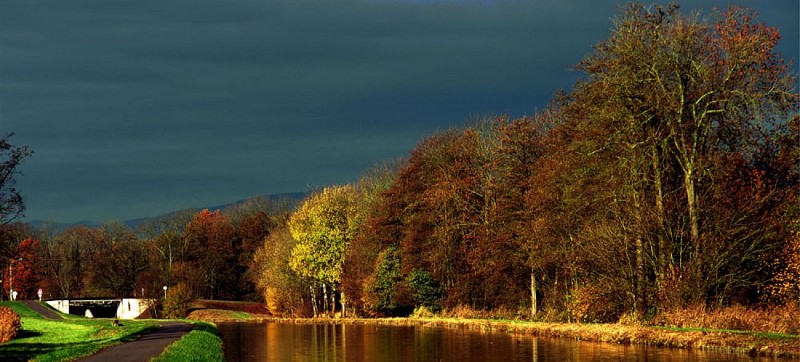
point(210, 238)
point(11, 204)
point(25, 271)
point(672, 92)
point(117, 260)
point(323, 227)
point(67, 257)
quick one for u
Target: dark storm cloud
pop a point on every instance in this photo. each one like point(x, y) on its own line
point(140, 107)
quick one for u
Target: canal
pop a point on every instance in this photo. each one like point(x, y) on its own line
point(275, 341)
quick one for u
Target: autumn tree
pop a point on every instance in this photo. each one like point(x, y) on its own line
point(117, 259)
point(361, 258)
point(671, 95)
point(166, 249)
point(25, 270)
point(252, 230)
point(67, 257)
point(323, 227)
point(210, 240)
point(282, 288)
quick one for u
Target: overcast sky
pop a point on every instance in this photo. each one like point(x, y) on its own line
point(136, 108)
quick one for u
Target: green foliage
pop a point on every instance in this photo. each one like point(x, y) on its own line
point(201, 344)
point(178, 301)
point(9, 324)
point(425, 291)
point(381, 288)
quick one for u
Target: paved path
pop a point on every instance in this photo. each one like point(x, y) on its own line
point(146, 347)
point(44, 311)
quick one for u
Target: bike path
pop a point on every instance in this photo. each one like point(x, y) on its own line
point(144, 348)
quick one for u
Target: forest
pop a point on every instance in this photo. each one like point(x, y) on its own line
point(667, 178)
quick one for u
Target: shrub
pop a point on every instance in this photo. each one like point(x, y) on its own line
point(177, 303)
point(9, 324)
point(776, 319)
point(593, 303)
point(380, 291)
point(422, 312)
point(424, 289)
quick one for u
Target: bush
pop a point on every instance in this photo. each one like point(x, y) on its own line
point(9, 324)
point(776, 319)
point(177, 303)
point(424, 290)
point(593, 303)
point(380, 291)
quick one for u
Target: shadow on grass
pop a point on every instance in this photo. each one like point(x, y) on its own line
point(28, 351)
point(27, 334)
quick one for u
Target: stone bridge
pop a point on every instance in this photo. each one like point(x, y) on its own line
point(120, 308)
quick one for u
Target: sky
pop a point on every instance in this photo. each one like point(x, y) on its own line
point(135, 108)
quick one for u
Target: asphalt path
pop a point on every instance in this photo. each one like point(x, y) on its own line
point(147, 346)
point(44, 311)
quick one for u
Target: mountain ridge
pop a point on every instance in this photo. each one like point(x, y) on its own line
point(291, 197)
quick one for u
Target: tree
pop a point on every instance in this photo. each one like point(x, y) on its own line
point(366, 245)
point(671, 95)
point(210, 240)
point(25, 269)
point(117, 260)
point(282, 287)
point(323, 227)
point(67, 257)
point(11, 203)
point(166, 248)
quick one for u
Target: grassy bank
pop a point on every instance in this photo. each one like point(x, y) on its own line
point(55, 340)
point(226, 311)
point(752, 343)
point(201, 344)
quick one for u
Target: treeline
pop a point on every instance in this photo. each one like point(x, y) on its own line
point(203, 254)
point(667, 178)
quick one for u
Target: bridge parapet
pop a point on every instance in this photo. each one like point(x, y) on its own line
point(125, 308)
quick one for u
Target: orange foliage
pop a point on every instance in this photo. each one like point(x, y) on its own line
point(9, 324)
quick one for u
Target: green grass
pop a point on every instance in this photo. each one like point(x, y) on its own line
point(55, 340)
point(239, 315)
point(201, 344)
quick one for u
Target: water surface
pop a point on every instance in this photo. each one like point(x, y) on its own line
point(274, 341)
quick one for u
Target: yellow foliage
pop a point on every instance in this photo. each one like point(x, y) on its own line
point(323, 227)
point(786, 284)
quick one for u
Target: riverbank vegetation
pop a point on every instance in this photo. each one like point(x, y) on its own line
point(664, 184)
point(42, 339)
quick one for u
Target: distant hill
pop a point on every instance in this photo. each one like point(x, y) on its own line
point(292, 198)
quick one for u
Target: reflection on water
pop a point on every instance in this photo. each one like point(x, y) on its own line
point(271, 341)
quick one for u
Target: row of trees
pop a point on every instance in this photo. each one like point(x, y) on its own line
point(667, 177)
point(207, 253)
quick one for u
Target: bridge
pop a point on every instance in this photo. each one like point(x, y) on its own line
point(120, 308)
